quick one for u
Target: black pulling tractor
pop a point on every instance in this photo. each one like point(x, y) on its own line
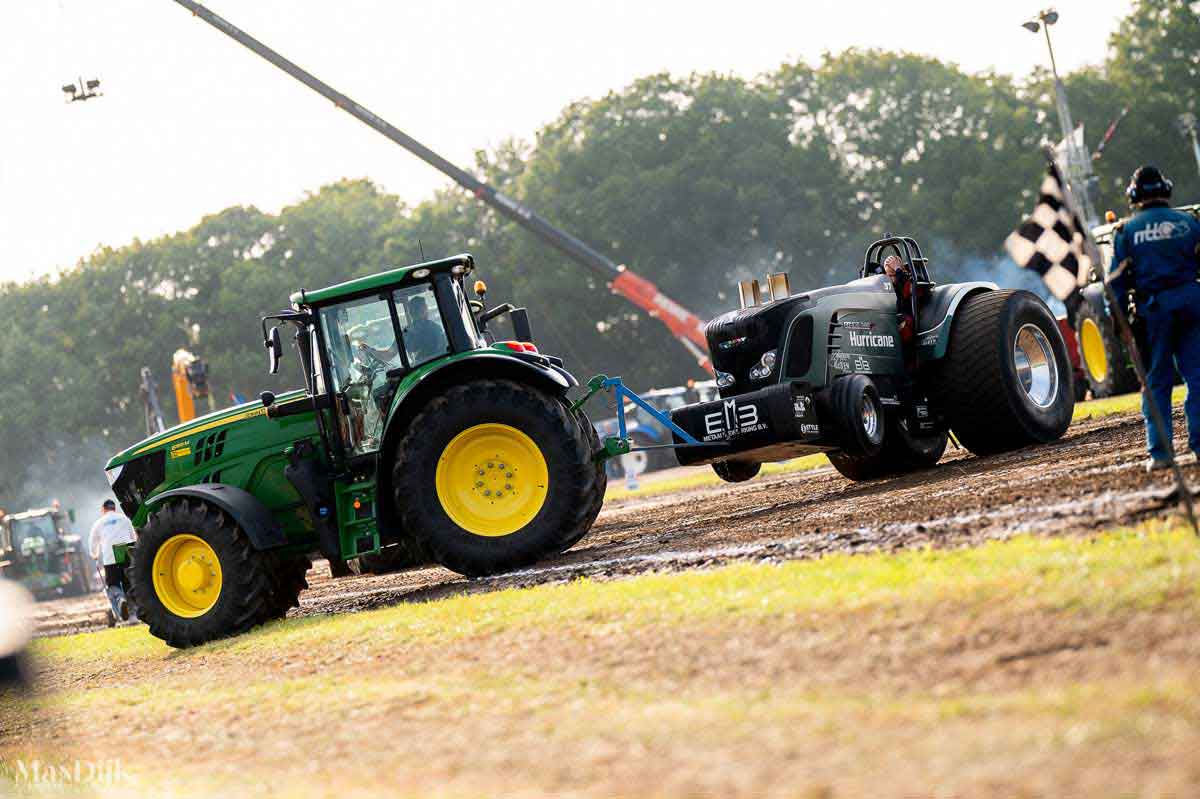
point(878, 372)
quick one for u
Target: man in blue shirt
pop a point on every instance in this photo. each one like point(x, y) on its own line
point(1157, 255)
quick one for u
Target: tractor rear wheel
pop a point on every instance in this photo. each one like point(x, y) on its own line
point(194, 577)
point(495, 475)
point(1006, 379)
point(1105, 363)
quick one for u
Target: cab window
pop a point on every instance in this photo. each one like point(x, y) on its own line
point(421, 326)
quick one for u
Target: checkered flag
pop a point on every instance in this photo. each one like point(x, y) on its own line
point(1051, 240)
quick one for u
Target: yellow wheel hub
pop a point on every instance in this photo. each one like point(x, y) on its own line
point(1091, 344)
point(492, 480)
point(187, 576)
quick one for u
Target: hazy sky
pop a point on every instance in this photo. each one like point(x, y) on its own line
point(191, 123)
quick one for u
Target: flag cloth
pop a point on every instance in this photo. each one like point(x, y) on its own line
point(1051, 240)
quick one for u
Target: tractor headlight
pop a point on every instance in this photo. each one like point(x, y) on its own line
point(766, 366)
point(114, 474)
point(724, 380)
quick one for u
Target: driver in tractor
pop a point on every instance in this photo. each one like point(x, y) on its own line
point(1157, 253)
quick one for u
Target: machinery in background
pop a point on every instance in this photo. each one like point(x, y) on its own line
point(39, 551)
point(652, 445)
point(189, 379)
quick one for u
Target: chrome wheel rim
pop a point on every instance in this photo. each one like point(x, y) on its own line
point(1037, 370)
point(870, 418)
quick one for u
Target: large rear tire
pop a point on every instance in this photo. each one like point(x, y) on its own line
point(1006, 379)
point(289, 578)
point(1106, 365)
point(495, 475)
point(194, 576)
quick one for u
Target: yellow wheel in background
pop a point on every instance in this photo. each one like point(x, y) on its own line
point(1091, 346)
point(187, 576)
point(492, 480)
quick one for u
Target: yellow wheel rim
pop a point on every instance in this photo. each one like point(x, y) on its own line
point(187, 576)
point(1091, 344)
point(492, 480)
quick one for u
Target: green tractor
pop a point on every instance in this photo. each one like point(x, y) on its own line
point(39, 551)
point(418, 438)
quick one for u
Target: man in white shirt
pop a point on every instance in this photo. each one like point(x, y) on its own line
point(110, 529)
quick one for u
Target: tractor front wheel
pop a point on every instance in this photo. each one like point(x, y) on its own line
point(1105, 363)
point(195, 577)
point(495, 475)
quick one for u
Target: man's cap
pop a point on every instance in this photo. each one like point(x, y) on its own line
point(109, 505)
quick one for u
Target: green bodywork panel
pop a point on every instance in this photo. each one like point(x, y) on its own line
point(866, 309)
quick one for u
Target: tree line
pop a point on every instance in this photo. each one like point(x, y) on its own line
point(693, 181)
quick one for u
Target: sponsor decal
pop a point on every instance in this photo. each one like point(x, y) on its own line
point(840, 361)
point(861, 364)
point(800, 406)
point(181, 450)
point(873, 340)
point(1163, 231)
point(922, 411)
point(889, 400)
point(856, 324)
point(731, 420)
point(810, 429)
point(928, 340)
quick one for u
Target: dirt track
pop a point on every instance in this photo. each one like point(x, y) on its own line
point(1090, 480)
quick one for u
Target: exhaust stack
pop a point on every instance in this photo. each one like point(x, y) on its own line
point(748, 293)
point(779, 286)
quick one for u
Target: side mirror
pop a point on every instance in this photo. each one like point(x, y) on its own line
point(520, 323)
point(268, 398)
point(274, 345)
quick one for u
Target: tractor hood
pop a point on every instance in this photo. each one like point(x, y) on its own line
point(200, 424)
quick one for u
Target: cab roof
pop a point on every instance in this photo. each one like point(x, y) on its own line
point(380, 280)
point(36, 513)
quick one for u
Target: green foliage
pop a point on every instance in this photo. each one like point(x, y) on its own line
point(695, 182)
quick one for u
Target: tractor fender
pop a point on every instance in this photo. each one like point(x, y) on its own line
point(412, 396)
point(937, 316)
point(251, 515)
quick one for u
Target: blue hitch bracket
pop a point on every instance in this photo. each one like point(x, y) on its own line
point(615, 446)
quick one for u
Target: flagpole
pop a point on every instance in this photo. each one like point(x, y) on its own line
point(1126, 333)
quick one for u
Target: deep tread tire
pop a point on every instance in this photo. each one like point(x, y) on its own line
point(737, 471)
point(289, 578)
point(575, 478)
point(1119, 378)
point(595, 498)
point(247, 597)
point(976, 384)
point(902, 453)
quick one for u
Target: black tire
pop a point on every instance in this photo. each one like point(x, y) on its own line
point(246, 597)
point(857, 412)
point(1106, 366)
point(289, 578)
point(596, 498)
point(79, 581)
point(902, 453)
point(977, 384)
point(736, 471)
point(574, 480)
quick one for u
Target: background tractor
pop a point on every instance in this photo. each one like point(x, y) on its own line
point(417, 438)
point(39, 551)
point(878, 371)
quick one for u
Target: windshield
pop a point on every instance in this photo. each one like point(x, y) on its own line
point(36, 533)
